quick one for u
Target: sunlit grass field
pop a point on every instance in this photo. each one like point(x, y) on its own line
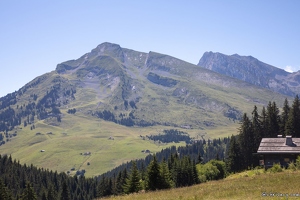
point(64, 146)
point(253, 184)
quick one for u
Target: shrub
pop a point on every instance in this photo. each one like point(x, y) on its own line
point(276, 168)
point(213, 170)
point(292, 166)
point(297, 165)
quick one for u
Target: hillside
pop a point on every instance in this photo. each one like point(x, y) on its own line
point(105, 102)
point(251, 70)
point(246, 185)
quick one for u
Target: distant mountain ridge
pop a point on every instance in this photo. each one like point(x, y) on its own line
point(141, 89)
point(251, 70)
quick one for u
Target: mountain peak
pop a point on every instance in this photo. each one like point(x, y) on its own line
point(108, 49)
point(248, 69)
point(106, 46)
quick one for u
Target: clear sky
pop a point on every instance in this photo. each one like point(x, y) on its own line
point(36, 35)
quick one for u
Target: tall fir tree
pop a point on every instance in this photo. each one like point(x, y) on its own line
point(246, 140)
point(293, 124)
point(166, 176)
point(118, 184)
point(65, 193)
point(284, 116)
point(133, 184)
point(273, 120)
point(153, 179)
point(51, 194)
point(4, 193)
point(263, 122)
point(256, 127)
point(28, 193)
point(234, 159)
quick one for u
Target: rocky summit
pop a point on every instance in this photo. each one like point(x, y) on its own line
point(134, 88)
point(251, 70)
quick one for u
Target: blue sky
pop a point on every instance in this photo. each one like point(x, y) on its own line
point(37, 35)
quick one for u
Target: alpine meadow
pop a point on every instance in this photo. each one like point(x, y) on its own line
point(118, 121)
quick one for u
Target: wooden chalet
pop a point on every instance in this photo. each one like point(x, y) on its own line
point(278, 150)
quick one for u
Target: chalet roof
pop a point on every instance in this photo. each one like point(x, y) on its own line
point(279, 145)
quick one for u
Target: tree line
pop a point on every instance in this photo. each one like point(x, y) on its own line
point(270, 123)
point(172, 135)
point(12, 115)
point(169, 168)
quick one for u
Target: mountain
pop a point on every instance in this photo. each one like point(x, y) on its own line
point(145, 89)
point(251, 70)
point(95, 112)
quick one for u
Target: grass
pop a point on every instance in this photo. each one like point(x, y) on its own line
point(253, 184)
point(77, 135)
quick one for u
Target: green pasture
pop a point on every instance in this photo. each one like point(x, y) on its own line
point(64, 146)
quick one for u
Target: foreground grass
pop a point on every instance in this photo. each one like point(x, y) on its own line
point(247, 185)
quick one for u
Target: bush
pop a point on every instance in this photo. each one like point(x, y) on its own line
point(292, 166)
point(276, 168)
point(298, 163)
point(221, 167)
point(213, 170)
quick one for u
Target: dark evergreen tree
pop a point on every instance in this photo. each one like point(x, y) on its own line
point(263, 122)
point(105, 187)
point(246, 140)
point(293, 124)
point(4, 193)
point(284, 116)
point(28, 193)
point(166, 176)
point(234, 159)
point(133, 182)
point(118, 184)
point(256, 128)
point(273, 120)
point(65, 193)
point(154, 179)
point(51, 194)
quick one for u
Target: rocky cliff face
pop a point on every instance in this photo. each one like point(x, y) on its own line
point(251, 70)
point(141, 89)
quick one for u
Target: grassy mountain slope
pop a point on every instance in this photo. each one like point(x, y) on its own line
point(111, 87)
point(238, 186)
point(109, 144)
point(164, 90)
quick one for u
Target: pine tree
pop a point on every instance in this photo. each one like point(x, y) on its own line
point(166, 176)
point(284, 116)
point(256, 127)
point(153, 179)
point(293, 124)
point(51, 194)
point(28, 193)
point(105, 187)
point(65, 193)
point(233, 161)
point(263, 122)
point(4, 194)
point(195, 173)
point(119, 184)
point(133, 182)
point(246, 141)
point(273, 120)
